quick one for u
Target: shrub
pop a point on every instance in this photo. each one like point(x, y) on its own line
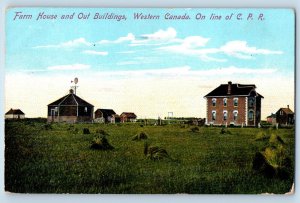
point(140, 136)
point(86, 131)
point(101, 143)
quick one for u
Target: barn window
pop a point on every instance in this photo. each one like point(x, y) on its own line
point(213, 115)
point(251, 115)
point(225, 115)
point(214, 101)
point(281, 113)
point(225, 101)
point(235, 115)
point(235, 102)
point(85, 109)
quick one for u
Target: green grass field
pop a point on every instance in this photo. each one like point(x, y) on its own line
point(57, 158)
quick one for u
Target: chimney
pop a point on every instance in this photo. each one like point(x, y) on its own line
point(229, 87)
point(71, 91)
point(288, 106)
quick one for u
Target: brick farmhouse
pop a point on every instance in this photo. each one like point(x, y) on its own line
point(233, 104)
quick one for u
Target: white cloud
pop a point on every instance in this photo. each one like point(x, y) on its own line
point(130, 37)
point(99, 53)
point(240, 49)
point(69, 44)
point(157, 38)
point(69, 67)
point(237, 49)
point(194, 42)
point(164, 35)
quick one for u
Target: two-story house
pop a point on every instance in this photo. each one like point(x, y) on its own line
point(237, 104)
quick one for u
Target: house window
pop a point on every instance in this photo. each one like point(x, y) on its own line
point(235, 102)
point(250, 115)
point(85, 109)
point(281, 113)
point(225, 115)
point(214, 101)
point(235, 115)
point(225, 101)
point(213, 115)
point(251, 102)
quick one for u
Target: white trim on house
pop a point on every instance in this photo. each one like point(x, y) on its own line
point(246, 111)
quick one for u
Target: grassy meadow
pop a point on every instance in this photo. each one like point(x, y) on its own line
point(57, 158)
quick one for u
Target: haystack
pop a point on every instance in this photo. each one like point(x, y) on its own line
point(195, 129)
point(273, 160)
point(101, 142)
point(155, 152)
point(101, 132)
point(140, 136)
point(86, 131)
point(225, 131)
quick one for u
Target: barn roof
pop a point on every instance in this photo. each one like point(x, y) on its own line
point(128, 114)
point(70, 100)
point(107, 112)
point(286, 110)
point(15, 111)
point(235, 89)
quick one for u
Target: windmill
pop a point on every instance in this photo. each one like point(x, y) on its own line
point(75, 82)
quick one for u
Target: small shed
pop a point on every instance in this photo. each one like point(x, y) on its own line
point(15, 114)
point(285, 116)
point(271, 118)
point(128, 117)
point(71, 109)
point(107, 115)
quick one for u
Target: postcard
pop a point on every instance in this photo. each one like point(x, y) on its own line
point(149, 100)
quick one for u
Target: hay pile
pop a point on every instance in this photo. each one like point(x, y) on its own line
point(140, 136)
point(272, 161)
point(225, 131)
point(101, 143)
point(262, 136)
point(101, 132)
point(86, 131)
point(195, 129)
point(48, 126)
point(155, 152)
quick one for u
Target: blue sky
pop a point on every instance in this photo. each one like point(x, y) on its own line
point(161, 49)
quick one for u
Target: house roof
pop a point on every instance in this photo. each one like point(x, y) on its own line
point(286, 110)
point(70, 100)
point(128, 114)
point(15, 111)
point(107, 112)
point(236, 89)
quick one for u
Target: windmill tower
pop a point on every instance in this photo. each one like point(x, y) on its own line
point(75, 84)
